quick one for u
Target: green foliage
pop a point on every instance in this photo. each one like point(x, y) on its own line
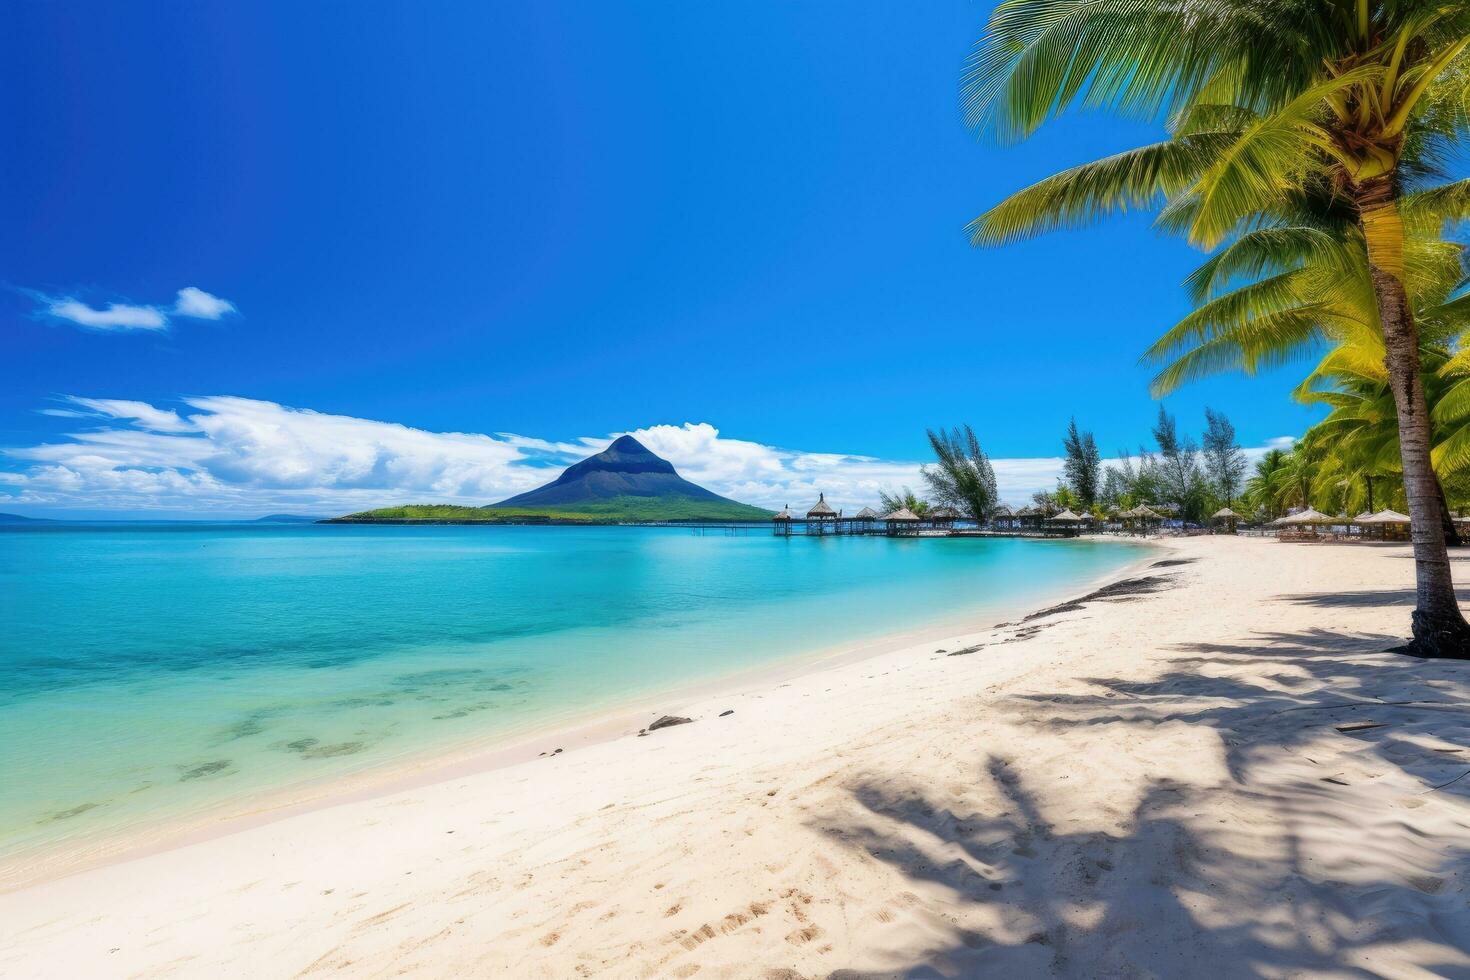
point(1305, 138)
point(1082, 466)
point(898, 501)
point(962, 476)
point(1224, 459)
point(614, 510)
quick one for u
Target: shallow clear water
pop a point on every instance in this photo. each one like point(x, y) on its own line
point(153, 670)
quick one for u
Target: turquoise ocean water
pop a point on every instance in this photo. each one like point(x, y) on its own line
point(155, 670)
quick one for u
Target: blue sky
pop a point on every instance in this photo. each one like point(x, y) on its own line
point(558, 220)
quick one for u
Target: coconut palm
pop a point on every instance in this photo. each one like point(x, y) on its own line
point(1262, 489)
point(1269, 101)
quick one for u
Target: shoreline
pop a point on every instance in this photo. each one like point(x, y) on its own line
point(1216, 760)
point(489, 753)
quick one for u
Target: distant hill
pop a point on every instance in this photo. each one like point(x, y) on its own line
point(18, 519)
point(285, 519)
point(624, 482)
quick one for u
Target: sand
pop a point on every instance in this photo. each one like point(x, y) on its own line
point(1178, 779)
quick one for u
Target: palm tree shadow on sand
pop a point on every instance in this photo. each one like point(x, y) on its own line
point(1295, 861)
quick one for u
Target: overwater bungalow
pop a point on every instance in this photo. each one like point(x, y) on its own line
point(781, 523)
point(943, 517)
point(821, 519)
point(863, 520)
point(1030, 518)
point(1067, 522)
point(902, 521)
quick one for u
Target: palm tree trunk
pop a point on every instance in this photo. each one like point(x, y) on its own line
point(1368, 479)
point(1451, 533)
point(1439, 628)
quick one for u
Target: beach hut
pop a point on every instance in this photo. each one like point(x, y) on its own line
point(1030, 518)
point(821, 518)
point(863, 519)
point(781, 523)
point(902, 521)
point(1390, 525)
point(1227, 517)
point(1147, 514)
point(1307, 518)
point(1303, 524)
point(1002, 516)
point(1066, 521)
point(943, 517)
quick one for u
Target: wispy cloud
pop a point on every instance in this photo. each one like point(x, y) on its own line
point(141, 413)
point(115, 316)
point(191, 302)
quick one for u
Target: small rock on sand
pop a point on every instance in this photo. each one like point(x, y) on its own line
point(669, 721)
point(727, 711)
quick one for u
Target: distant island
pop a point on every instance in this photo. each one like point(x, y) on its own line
point(285, 519)
point(18, 519)
point(624, 483)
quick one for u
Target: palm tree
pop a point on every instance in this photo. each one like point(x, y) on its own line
point(1269, 101)
point(1261, 488)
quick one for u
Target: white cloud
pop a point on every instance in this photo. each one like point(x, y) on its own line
point(192, 302)
point(239, 456)
point(147, 417)
point(197, 303)
point(117, 316)
point(232, 455)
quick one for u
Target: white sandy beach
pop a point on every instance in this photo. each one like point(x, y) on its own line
point(1155, 783)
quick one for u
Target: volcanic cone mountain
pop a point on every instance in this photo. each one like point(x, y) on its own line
point(627, 469)
point(624, 482)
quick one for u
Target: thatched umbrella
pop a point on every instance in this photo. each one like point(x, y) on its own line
point(1306, 517)
point(1385, 517)
point(1228, 516)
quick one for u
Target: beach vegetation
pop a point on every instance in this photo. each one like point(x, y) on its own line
point(1302, 139)
point(890, 502)
point(1081, 464)
point(1224, 459)
point(961, 476)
